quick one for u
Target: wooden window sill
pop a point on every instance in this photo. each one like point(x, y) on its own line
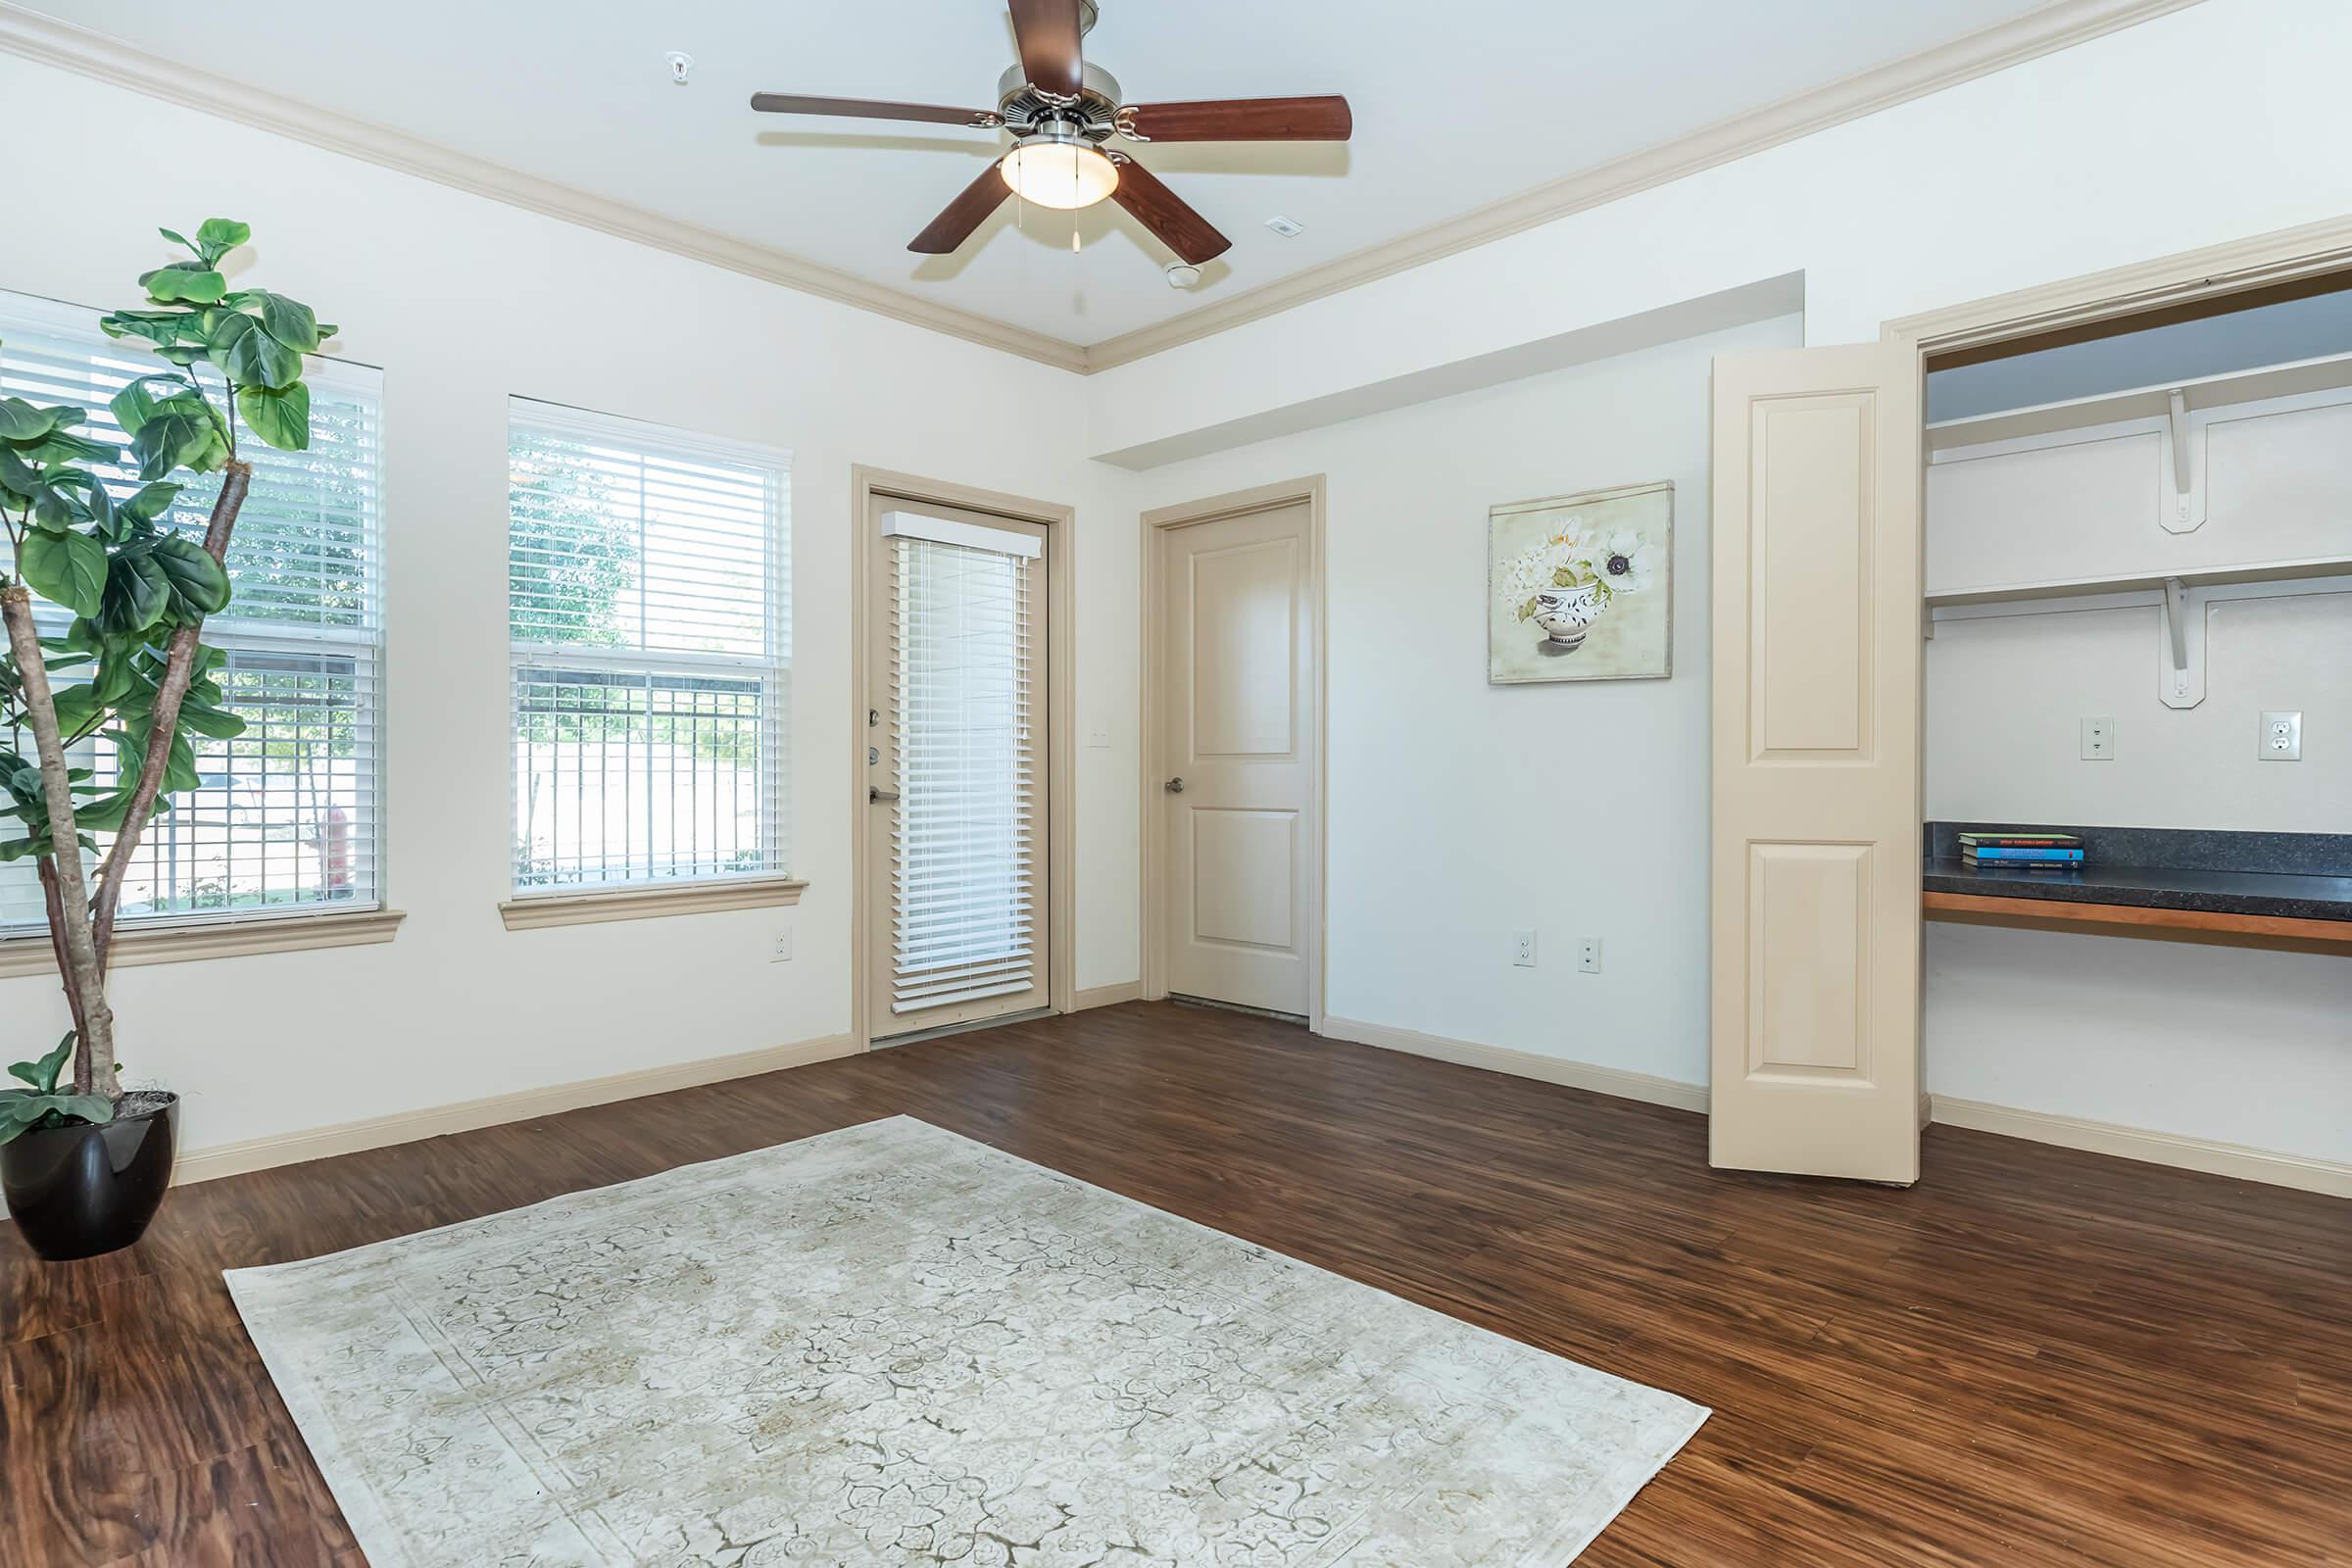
point(220, 938)
point(538, 912)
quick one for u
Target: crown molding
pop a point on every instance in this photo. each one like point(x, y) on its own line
point(51, 43)
point(2043, 31)
point(2046, 31)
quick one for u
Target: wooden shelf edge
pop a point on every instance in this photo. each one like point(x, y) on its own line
point(2132, 919)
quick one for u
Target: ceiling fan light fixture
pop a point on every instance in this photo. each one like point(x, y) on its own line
point(1061, 171)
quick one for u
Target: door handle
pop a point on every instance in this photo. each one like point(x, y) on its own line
point(877, 795)
point(1174, 786)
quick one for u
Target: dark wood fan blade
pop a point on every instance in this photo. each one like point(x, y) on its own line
point(1047, 33)
point(785, 103)
point(964, 214)
point(1164, 212)
point(1240, 120)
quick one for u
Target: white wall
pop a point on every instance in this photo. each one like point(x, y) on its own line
point(2220, 120)
point(1462, 811)
point(462, 301)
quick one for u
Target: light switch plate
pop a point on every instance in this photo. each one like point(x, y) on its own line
point(1588, 955)
point(2282, 736)
point(1098, 735)
point(2098, 740)
point(1523, 949)
point(780, 946)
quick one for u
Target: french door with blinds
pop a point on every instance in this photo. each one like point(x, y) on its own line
point(956, 768)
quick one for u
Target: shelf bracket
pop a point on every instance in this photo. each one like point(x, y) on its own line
point(2180, 673)
point(2186, 510)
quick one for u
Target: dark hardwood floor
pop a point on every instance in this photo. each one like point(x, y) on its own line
point(2032, 1357)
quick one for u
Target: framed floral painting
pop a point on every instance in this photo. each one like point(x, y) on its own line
point(1582, 587)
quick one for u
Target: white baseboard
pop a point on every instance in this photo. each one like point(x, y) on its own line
point(1106, 996)
point(1615, 1081)
point(2152, 1148)
point(2066, 1132)
point(376, 1132)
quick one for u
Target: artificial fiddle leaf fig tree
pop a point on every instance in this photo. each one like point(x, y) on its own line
point(126, 670)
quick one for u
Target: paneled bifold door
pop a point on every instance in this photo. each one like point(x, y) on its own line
point(956, 805)
point(1816, 769)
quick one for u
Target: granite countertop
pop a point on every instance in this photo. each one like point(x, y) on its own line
point(2301, 875)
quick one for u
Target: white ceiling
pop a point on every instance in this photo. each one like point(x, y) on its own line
point(1456, 104)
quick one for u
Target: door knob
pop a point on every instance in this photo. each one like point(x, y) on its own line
point(1174, 786)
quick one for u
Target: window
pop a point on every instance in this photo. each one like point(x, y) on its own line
point(650, 621)
point(285, 819)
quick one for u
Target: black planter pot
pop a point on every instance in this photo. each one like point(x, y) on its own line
point(76, 1191)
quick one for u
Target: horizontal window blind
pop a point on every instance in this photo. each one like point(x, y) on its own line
point(650, 622)
point(285, 819)
point(962, 687)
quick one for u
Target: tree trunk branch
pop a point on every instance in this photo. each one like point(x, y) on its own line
point(56, 901)
point(84, 976)
point(179, 672)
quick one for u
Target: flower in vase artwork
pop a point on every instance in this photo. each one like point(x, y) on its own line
point(1581, 587)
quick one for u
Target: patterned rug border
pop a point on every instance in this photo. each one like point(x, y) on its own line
point(381, 1543)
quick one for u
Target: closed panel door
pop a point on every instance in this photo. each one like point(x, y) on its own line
point(1816, 768)
point(1237, 802)
point(956, 738)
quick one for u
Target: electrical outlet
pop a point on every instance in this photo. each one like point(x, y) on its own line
point(2282, 737)
point(1523, 949)
point(2098, 740)
point(780, 950)
point(1588, 955)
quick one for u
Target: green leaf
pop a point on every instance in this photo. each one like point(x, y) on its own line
point(59, 447)
point(135, 405)
point(51, 512)
point(215, 237)
point(77, 706)
point(195, 576)
point(137, 593)
point(96, 1109)
point(215, 723)
point(281, 418)
point(156, 326)
point(16, 474)
point(68, 569)
point(176, 238)
point(104, 814)
point(290, 321)
point(184, 283)
point(179, 768)
point(250, 354)
point(42, 1074)
point(179, 433)
point(149, 502)
point(20, 420)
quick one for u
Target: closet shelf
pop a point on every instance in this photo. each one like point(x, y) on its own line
point(2167, 399)
point(2143, 581)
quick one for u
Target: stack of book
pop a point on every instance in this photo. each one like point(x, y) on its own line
point(2022, 850)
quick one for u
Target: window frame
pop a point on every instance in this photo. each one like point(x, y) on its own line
point(528, 907)
point(173, 936)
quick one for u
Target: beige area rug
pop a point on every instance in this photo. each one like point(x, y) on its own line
point(891, 1345)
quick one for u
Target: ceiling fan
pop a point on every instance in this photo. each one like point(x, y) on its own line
point(1062, 111)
